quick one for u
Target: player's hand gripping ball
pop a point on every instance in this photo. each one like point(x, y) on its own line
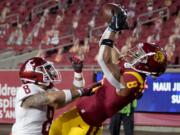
point(115, 15)
point(108, 11)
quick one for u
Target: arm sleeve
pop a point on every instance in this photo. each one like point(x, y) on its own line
point(106, 71)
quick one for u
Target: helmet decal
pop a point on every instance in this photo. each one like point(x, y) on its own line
point(29, 66)
point(159, 57)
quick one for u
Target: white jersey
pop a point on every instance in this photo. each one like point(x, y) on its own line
point(31, 121)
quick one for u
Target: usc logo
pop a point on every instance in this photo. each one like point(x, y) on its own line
point(159, 57)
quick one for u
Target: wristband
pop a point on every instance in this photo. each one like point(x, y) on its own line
point(78, 80)
point(77, 75)
point(80, 92)
point(68, 95)
point(107, 42)
point(78, 83)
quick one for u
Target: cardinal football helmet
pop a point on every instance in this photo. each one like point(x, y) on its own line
point(147, 58)
point(39, 71)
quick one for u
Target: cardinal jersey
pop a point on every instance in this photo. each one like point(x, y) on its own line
point(31, 121)
point(106, 102)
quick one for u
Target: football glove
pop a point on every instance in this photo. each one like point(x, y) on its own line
point(77, 64)
point(88, 91)
point(118, 21)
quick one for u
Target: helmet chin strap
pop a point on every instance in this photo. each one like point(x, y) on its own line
point(45, 84)
point(27, 80)
point(35, 82)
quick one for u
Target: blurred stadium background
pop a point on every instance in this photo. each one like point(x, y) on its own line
point(55, 29)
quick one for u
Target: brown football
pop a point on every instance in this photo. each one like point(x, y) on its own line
point(108, 10)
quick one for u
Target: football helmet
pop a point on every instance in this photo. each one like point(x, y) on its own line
point(39, 71)
point(147, 58)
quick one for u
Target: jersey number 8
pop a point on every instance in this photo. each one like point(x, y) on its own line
point(26, 89)
point(132, 84)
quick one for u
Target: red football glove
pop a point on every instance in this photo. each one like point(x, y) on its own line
point(77, 64)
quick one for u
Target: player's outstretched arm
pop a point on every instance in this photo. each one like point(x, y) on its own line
point(109, 69)
point(54, 98)
point(106, 43)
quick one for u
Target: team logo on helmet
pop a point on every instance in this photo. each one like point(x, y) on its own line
point(29, 66)
point(159, 57)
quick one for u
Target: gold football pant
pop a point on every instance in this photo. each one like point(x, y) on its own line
point(71, 123)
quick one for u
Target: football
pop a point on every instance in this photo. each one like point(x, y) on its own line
point(108, 10)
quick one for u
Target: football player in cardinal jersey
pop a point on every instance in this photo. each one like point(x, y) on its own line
point(122, 83)
point(37, 97)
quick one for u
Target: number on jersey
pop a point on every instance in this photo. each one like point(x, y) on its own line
point(26, 89)
point(132, 84)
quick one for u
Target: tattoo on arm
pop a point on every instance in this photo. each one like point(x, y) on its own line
point(53, 98)
point(36, 100)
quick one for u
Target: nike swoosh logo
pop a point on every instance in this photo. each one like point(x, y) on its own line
point(117, 22)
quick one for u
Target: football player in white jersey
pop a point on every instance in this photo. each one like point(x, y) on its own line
point(37, 97)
